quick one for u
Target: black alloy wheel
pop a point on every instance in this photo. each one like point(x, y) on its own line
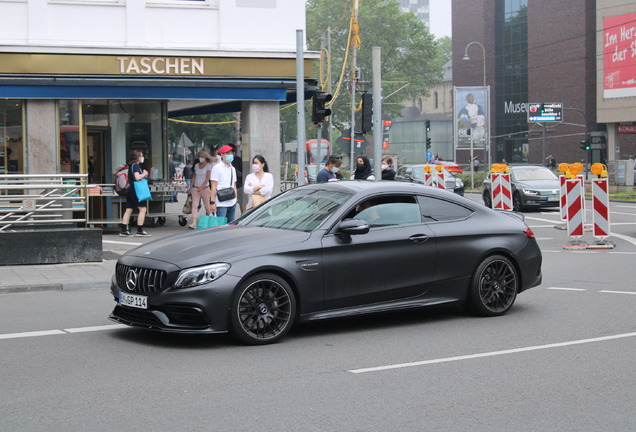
point(494, 286)
point(263, 310)
point(517, 205)
point(487, 199)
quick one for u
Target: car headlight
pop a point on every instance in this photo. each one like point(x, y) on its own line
point(201, 275)
point(459, 183)
point(530, 192)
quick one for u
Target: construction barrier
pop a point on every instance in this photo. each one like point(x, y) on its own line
point(428, 179)
point(575, 209)
point(441, 183)
point(501, 192)
point(600, 205)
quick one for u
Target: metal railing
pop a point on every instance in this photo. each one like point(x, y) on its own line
point(42, 199)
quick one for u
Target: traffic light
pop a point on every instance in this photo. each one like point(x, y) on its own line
point(428, 125)
point(585, 145)
point(542, 108)
point(318, 110)
point(428, 143)
point(367, 112)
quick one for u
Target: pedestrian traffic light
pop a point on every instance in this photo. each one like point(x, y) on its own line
point(428, 143)
point(428, 125)
point(585, 145)
point(318, 109)
point(367, 112)
point(542, 108)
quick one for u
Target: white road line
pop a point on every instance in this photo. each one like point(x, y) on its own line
point(555, 251)
point(491, 354)
point(566, 289)
point(618, 292)
point(624, 237)
point(31, 334)
point(96, 328)
point(59, 332)
point(119, 242)
point(623, 253)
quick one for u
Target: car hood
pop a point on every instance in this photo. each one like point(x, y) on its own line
point(538, 184)
point(216, 244)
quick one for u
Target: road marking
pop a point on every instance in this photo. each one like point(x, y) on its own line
point(61, 332)
point(623, 253)
point(555, 251)
point(618, 292)
point(491, 354)
point(120, 242)
point(541, 226)
point(96, 328)
point(624, 237)
point(31, 334)
point(566, 289)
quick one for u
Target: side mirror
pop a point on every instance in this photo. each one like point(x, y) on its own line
point(407, 177)
point(353, 227)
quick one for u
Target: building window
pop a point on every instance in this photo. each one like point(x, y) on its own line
point(11, 137)
point(69, 144)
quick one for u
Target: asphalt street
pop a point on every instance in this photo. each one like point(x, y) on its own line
point(560, 360)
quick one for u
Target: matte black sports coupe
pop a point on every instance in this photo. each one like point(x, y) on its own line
point(328, 250)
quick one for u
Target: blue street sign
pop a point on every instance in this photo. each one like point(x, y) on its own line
point(429, 155)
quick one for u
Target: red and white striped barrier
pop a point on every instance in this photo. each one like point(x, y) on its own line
point(501, 193)
point(563, 208)
point(601, 215)
point(428, 179)
point(441, 183)
point(575, 207)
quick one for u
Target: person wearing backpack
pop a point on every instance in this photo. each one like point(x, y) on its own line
point(136, 173)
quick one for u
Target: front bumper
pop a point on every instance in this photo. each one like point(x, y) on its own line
point(541, 200)
point(202, 309)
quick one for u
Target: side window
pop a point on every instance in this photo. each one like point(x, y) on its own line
point(401, 171)
point(439, 210)
point(389, 210)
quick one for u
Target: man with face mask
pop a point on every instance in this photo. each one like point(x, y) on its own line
point(328, 173)
point(223, 177)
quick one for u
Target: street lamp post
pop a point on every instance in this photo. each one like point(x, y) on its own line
point(472, 169)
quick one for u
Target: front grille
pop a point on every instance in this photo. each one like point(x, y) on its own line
point(143, 280)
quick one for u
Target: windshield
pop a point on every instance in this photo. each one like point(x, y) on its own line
point(534, 174)
point(299, 209)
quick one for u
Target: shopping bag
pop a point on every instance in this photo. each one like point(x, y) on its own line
point(142, 190)
point(187, 207)
point(211, 221)
point(257, 200)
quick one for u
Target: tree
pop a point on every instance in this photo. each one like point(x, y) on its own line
point(410, 55)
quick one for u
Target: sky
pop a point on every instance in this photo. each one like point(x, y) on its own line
point(441, 17)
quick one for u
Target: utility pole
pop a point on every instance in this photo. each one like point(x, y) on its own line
point(329, 82)
point(377, 113)
point(300, 104)
point(354, 80)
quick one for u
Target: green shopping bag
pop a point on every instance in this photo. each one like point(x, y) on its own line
point(211, 221)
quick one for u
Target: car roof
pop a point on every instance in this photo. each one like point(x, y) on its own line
point(382, 186)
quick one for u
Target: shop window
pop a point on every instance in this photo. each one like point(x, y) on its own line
point(11, 137)
point(139, 125)
point(68, 113)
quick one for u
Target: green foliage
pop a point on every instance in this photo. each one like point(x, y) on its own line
point(411, 59)
point(204, 134)
point(479, 179)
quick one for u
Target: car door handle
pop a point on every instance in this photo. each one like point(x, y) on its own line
point(418, 238)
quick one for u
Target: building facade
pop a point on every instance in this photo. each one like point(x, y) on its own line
point(535, 51)
point(83, 82)
point(421, 9)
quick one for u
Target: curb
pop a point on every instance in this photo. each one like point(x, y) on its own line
point(64, 286)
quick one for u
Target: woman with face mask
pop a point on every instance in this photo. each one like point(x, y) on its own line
point(363, 169)
point(259, 184)
point(388, 173)
point(200, 189)
point(135, 173)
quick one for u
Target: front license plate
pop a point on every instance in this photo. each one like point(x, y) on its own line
point(131, 300)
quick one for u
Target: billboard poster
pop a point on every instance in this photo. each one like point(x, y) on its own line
point(619, 56)
point(471, 110)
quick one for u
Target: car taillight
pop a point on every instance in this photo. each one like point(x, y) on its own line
point(529, 233)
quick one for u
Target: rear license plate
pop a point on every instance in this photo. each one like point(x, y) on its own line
point(131, 300)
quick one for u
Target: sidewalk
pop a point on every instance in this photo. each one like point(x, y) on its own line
point(93, 275)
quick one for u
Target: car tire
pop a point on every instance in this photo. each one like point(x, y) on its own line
point(493, 287)
point(487, 199)
point(517, 205)
point(263, 310)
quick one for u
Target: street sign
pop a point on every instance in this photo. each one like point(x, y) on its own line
point(545, 112)
point(429, 155)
